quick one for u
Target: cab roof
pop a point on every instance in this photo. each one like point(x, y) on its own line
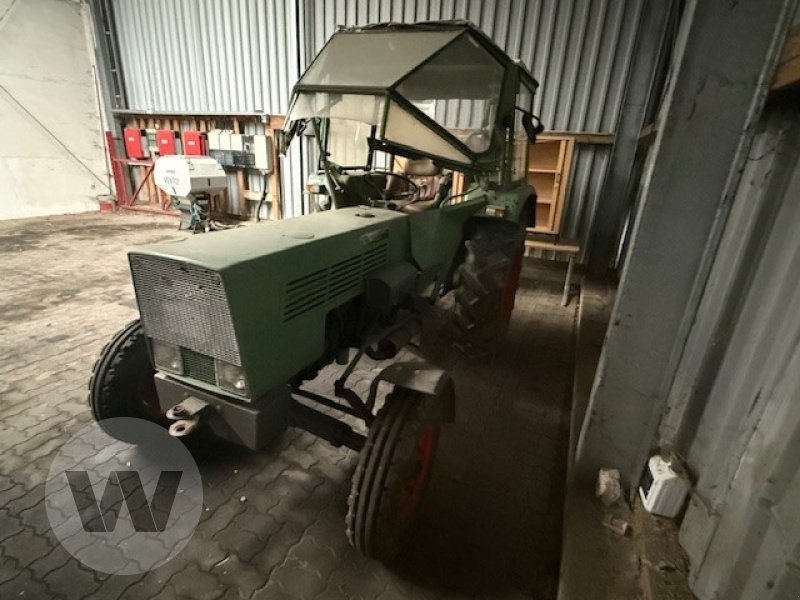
point(374, 58)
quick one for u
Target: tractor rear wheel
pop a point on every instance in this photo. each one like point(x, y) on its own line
point(487, 285)
point(122, 382)
point(392, 474)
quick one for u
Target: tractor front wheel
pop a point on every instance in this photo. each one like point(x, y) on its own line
point(392, 474)
point(122, 382)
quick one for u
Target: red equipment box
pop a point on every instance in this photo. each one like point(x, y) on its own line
point(135, 142)
point(168, 142)
point(195, 143)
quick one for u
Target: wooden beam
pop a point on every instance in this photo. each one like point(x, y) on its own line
point(244, 205)
point(552, 246)
point(580, 137)
point(788, 71)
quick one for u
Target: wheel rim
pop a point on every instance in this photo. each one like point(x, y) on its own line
point(425, 450)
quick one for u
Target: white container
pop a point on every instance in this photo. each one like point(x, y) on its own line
point(184, 176)
point(664, 488)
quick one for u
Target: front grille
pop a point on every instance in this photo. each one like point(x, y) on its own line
point(198, 366)
point(185, 305)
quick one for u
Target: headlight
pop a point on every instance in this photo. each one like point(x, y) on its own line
point(167, 357)
point(231, 378)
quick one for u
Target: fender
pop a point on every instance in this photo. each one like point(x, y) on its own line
point(425, 379)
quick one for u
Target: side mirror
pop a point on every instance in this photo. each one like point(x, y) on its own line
point(532, 129)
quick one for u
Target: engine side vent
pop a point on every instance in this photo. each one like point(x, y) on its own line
point(345, 277)
point(305, 293)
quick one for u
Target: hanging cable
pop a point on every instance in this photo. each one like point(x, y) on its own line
point(263, 197)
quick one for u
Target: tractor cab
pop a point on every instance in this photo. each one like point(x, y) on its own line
point(394, 110)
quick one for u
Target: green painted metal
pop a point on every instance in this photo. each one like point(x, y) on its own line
point(283, 280)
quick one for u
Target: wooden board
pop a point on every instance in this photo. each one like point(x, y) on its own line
point(552, 246)
point(788, 71)
point(581, 137)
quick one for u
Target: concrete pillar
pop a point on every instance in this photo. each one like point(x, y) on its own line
point(642, 78)
point(723, 60)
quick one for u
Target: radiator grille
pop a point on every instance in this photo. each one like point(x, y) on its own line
point(310, 291)
point(184, 305)
point(198, 366)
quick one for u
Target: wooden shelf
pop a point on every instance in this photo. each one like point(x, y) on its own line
point(548, 167)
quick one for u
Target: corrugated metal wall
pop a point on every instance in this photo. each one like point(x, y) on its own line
point(218, 56)
point(738, 423)
point(245, 55)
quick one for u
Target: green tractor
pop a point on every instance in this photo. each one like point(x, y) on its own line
point(233, 323)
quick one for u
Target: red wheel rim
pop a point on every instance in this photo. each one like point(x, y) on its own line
point(425, 451)
point(510, 290)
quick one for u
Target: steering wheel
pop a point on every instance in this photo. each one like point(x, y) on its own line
point(384, 193)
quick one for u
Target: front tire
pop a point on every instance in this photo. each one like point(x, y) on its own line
point(122, 382)
point(393, 471)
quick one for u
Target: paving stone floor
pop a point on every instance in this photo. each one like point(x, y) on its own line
point(489, 526)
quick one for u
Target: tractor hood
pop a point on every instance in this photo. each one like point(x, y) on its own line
point(442, 90)
point(257, 297)
point(237, 247)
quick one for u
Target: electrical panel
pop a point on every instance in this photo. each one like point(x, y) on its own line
point(168, 142)
point(219, 147)
point(242, 146)
point(236, 141)
point(135, 142)
point(214, 142)
point(240, 150)
point(194, 143)
point(263, 157)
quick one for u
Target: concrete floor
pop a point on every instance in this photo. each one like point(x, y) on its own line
point(490, 525)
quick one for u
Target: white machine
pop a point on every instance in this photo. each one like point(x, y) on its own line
point(664, 487)
point(190, 180)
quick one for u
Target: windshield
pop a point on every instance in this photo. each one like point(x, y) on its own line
point(327, 105)
point(412, 92)
point(459, 89)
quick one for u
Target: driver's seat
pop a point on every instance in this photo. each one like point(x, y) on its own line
point(428, 178)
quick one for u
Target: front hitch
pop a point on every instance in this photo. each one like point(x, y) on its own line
point(186, 415)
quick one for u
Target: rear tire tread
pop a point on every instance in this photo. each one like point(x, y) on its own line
point(483, 280)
